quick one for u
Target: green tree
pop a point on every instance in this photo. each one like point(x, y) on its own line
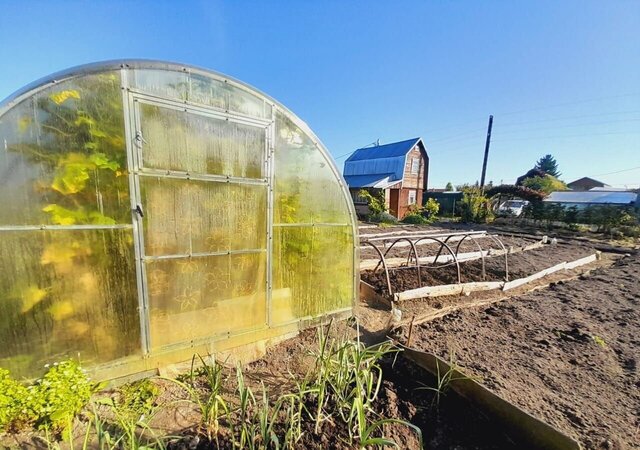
point(549, 165)
point(546, 184)
point(448, 187)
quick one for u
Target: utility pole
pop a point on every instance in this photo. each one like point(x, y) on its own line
point(486, 152)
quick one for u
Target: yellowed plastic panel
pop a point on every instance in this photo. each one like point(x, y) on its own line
point(202, 90)
point(312, 271)
point(201, 297)
point(306, 189)
point(182, 217)
point(66, 293)
point(189, 142)
point(63, 156)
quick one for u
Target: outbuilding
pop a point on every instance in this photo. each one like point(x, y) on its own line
point(399, 169)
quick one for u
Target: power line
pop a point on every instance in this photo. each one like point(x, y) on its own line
point(575, 125)
point(564, 136)
point(569, 103)
point(554, 119)
point(617, 171)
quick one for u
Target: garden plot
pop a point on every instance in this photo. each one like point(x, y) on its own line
point(491, 269)
point(568, 354)
point(310, 392)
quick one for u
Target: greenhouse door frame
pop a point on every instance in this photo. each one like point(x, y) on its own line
point(132, 99)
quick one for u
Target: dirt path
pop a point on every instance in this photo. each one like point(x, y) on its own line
point(568, 354)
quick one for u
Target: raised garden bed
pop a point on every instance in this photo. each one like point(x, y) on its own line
point(520, 265)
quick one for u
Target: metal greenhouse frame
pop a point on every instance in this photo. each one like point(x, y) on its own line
point(150, 177)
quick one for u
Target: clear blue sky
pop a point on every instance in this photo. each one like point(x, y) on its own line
point(560, 77)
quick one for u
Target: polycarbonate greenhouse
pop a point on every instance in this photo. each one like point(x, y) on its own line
point(149, 211)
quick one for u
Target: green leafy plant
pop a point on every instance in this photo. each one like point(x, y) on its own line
point(50, 403)
point(475, 206)
point(375, 201)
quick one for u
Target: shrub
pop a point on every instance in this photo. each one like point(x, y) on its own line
point(475, 207)
point(422, 215)
point(431, 209)
point(376, 202)
point(382, 217)
point(415, 219)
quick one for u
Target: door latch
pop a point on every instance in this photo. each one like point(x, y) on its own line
point(138, 210)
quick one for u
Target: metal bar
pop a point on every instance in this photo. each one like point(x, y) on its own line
point(134, 196)
point(319, 224)
point(199, 109)
point(270, 171)
point(436, 235)
point(146, 172)
point(64, 227)
point(203, 254)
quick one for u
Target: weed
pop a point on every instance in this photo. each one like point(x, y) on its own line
point(598, 340)
point(210, 404)
point(445, 378)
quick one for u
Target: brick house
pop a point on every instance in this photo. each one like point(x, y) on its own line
point(400, 169)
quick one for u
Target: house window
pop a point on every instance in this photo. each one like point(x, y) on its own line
point(415, 166)
point(412, 198)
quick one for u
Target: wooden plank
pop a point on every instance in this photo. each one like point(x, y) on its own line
point(429, 291)
point(528, 431)
point(481, 286)
point(369, 294)
point(582, 261)
point(543, 273)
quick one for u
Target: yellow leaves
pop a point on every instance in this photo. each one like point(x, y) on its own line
point(31, 296)
point(63, 216)
point(72, 173)
point(61, 310)
point(60, 97)
point(60, 215)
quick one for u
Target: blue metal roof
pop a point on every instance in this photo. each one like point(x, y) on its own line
point(594, 197)
point(383, 151)
point(380, 181)
point(378, 162)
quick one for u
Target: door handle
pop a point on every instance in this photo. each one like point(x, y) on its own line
point(139, 211)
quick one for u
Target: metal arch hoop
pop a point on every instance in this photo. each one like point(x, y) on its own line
point(445, 245)
point(484, 275)
point(384, 264)
point(411, 250)
point(506, 255)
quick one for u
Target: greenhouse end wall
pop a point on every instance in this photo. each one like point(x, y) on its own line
point(150, 210)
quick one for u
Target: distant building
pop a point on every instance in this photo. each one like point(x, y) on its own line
point(582, 199)
point(399, 169)
point(585, 184)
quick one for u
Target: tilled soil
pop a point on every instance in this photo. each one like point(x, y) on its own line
point(568, 354)
point(520, 265)
point(447, 422)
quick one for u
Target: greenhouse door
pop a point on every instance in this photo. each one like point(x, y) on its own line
point(200, 180)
